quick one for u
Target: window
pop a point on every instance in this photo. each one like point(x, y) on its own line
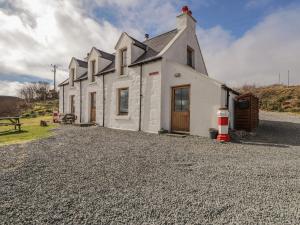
point(123, 61)
point(72, 76)
point(72, 104)
point(123, 101)
point(93, 69)
point(190, 57)
point(182, 99)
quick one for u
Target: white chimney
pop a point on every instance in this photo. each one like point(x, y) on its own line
point(185, 19)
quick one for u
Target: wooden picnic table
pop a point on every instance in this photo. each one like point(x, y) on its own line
point(11, 121)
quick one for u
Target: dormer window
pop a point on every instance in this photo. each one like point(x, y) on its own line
point(93, 69)
point(190, 57)
point(123, 61)
point(72, 76)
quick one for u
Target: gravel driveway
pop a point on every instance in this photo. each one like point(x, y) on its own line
point(102, 176)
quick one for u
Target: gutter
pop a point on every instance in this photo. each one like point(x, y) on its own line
point(146, 61)
point(230, 89)
point(63, 98)
point(103, 101)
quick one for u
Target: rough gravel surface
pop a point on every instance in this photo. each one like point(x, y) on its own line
point(102, 176)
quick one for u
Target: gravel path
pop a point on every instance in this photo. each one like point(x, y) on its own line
point(102, 176)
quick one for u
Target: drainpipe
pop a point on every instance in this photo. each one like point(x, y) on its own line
point(141, 95)
point(80, 102)
point(227, 99)
point(63, 100)
point(103, 100)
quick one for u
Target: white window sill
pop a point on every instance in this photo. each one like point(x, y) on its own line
point(122, 117)
point(123, 76)
point(93, 83)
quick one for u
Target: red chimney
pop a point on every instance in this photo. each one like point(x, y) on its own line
point(185, 9)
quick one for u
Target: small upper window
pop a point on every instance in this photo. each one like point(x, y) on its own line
point(123, 101)
point(93, 70)
point(190, 57)
point(123, 61)
point(72, 76)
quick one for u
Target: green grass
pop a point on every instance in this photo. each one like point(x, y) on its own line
point(30, 130)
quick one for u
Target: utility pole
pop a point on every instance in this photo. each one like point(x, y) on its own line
point(54, 75)
point(279, 79)
point(288, 78)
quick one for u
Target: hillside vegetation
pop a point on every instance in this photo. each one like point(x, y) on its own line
point(10, 106)
point(278, 98)
point(40, 108)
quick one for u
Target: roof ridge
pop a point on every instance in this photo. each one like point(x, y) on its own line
point(159, 35)
point(102, 51)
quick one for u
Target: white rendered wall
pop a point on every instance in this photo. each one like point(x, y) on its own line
point(205, 97)
point(150, 100)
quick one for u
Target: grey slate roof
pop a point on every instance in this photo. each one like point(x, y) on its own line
point(106, 55)
point(155, 46)
point(157, 43)
point(108, 69)
point(82, 77)
point(82, 63)
point(152, 46)
point(65, 82)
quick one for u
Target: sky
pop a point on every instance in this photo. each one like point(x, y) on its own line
point(242, 41)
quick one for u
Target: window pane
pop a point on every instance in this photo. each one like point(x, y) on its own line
point(177, 100)
point(185, 98)
point(189, 57)
point(123, 101)
point(124, 57)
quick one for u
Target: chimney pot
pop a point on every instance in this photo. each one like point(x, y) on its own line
point(146, 36)
point(185, 9)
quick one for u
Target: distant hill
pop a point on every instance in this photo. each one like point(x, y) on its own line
point(279, 98)
point(10, 106)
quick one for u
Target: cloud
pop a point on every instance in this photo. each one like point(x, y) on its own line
point(9, 88)
point(269, 48)
point(60, 30)
point(257, 3)
point(37, 33)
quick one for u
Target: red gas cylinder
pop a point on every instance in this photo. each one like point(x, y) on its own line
point(223, 123)
point(55, 117)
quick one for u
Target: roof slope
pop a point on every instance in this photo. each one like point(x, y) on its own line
point(82, 63)
point(106, 55)
point(158, 42)
point(155, 46)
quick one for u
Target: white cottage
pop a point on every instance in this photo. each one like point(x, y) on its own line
point(158, 84)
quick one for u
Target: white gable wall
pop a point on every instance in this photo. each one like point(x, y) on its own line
point(178, 50)
point(206, 97)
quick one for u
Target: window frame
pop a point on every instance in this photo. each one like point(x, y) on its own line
point(123, 65)
point(72, 104)
point(93, 71)
point(119, 101)
point(72, 76)
point(192, 52)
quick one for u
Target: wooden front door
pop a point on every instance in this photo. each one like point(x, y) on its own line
point(93, 107)
point(180, 118)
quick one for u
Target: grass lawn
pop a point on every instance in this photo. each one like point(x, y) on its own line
point(31, 130)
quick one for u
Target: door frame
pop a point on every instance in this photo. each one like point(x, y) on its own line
point(90, 106)
point(172, 108)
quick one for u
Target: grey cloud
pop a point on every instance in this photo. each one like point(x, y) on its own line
point(14, 7)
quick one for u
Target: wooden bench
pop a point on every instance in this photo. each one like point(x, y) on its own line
point(11, 121)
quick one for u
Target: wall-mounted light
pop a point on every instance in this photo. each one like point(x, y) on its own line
point(177, 75)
